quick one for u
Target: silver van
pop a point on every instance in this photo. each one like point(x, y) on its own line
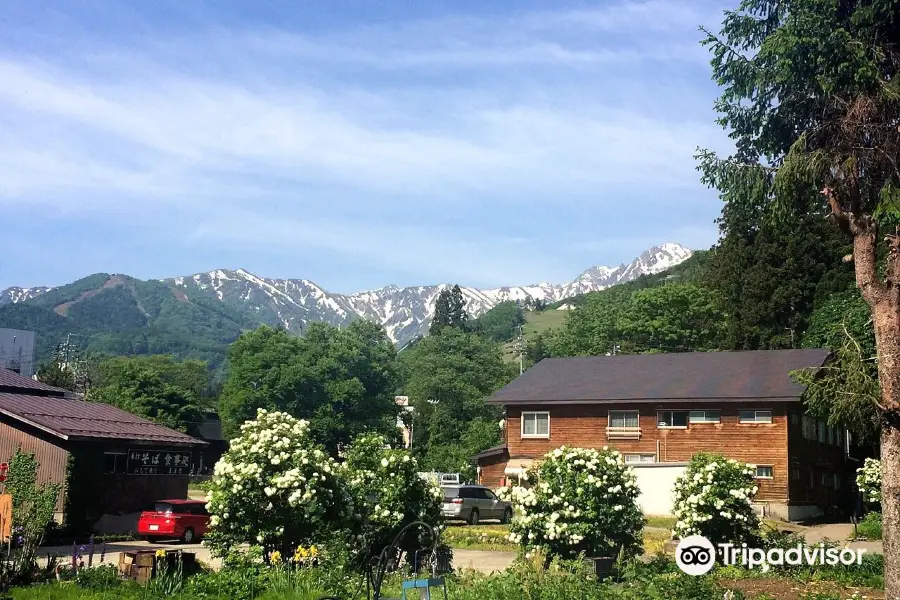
point(473, 504)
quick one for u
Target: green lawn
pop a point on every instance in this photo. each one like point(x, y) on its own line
point(535, 323)
point(538, 322)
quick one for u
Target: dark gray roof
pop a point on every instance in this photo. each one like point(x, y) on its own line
point(495, 451)
point(712, 376)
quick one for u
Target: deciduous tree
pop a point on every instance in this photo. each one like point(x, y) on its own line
point(811, 96)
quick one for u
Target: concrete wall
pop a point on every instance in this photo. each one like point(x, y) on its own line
point(17, 351)
point(656, 481)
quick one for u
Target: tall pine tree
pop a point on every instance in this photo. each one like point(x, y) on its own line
point(450, 311)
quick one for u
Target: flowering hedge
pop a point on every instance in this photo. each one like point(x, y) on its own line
point(388, 494)
point(713, 498)
point(583, 501)
point(274, 488)
point(868, 480)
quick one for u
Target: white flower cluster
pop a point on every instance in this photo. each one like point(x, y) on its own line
point(583, 499)
point(868, 480)
point(714, 496)
point(273, 467)
point(388, 490)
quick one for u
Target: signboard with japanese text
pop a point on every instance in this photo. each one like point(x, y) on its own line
point(159, 462)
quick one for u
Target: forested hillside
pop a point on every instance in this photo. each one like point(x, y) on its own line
point(119, 315)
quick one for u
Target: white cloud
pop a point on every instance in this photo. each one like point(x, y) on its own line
point(470, 113)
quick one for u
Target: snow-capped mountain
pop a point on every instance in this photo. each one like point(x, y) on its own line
point(404, 312)
point(17, 294)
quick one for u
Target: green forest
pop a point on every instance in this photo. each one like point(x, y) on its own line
point(758, 289)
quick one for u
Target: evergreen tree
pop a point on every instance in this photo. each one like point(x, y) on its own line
point(449, 311)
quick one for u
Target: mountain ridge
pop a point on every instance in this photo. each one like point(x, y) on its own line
point(292, 303)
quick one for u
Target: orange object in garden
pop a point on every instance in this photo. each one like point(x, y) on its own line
point(5, 516)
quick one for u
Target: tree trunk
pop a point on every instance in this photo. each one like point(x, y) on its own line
point(886, 314)
point(890, 506)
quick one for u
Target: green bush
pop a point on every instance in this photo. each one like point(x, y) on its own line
point(712, 499)
point(583, 501)
point(275, 488)
point(870, 526)
point(388, 494)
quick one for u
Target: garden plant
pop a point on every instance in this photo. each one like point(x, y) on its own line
point(582, 501)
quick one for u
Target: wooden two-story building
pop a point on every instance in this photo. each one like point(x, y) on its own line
point(661, 409)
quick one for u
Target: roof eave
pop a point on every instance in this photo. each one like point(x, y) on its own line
point(34, 424)
point(513, 402)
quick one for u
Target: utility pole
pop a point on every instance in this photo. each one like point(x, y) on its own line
point(521, 349)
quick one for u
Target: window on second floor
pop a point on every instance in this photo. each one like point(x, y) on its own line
point(809, 427)
point(535, 424)
point(704, 416)
point(672, 418)
point(756, 416)
point(623, 419)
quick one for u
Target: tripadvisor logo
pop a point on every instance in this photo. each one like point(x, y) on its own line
point(696, 555)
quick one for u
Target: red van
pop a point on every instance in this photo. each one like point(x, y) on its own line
point(186, 520)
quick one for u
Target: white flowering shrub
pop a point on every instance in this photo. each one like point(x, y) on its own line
point(868, 480)
point(274, 488)
point(388, 494)
point(582, 501)
point(713, 499)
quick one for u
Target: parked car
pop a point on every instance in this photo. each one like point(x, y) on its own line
point(474, 503)
point(186, 520)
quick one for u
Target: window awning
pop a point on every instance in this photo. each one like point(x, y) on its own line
point(517, 466)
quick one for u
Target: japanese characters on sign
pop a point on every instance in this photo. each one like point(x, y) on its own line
point(159, 462)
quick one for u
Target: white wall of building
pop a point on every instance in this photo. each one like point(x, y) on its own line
point(656, 481)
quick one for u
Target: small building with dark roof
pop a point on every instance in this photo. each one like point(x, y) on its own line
point(660, 409)
point(108, 461)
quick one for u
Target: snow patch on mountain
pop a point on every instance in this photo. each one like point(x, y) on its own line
point(403, 312)
point(20, 294)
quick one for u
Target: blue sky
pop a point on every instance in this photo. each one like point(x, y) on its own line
point(354, 143)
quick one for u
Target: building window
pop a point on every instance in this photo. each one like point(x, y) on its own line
point(809, 427)
point(764, 472)
point(114, 462)
point(823, 434)
point(826, 480)
point(623, 419)
point(704, 416)
point(672, 418)
point(812, 480)
point(535, 425)
point(640, 458)
point(837, 481)
point(756, 416)
point(624, 424)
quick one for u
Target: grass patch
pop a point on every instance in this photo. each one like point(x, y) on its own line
point(479, 537)
point(538, 322)
point(870, 526)
point(662, 522)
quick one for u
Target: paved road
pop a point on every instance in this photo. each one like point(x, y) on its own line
point(479, 560)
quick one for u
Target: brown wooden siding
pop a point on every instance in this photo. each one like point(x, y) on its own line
point(51, 457)
point(585, 426)
point(492, 470)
